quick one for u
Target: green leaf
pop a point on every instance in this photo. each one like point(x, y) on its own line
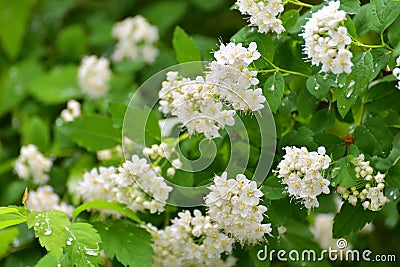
point(130, 244)
point(101, 204)
point(360, 20)
point(83, 245)
point(373, 138)
point(322, 120)
point(50, 229)
point(93, 132)
point(57, 86)
point(382, 96)
point(117, 111)
point(300, 137)
point(334, 145)
point(318, 86)
point(14, 17)
point(289, 18)
point(350, 6)
point(350, 219)
point(71, 42)
point(141, 124)
point(36, 131)
point(14, 83)
point(47, 261)
point(344, 173)
point(381, 14)
point(356, 83)
point(273, 188)
point(6, 210)
point(156, 11)
point(185, 48)
point(394, 33)
point(273, 90)
point(306, 103)
point(10, 219)
point(381, 58)
point(7, 236)
point(265, 44)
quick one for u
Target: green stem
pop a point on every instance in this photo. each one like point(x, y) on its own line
point(276, 68)
point(383, 45)
point(298, 3)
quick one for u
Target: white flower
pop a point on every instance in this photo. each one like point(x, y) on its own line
point(263, 14)
point(233, 204)
point(326, 40)
point(31, 163)
point(205, 105)
point(93, 76)
point(191, 241)
point(301, 171)
point(72, 111)
point(136, 38)
point(396, 72)
point(371, 192)
point(44, 199)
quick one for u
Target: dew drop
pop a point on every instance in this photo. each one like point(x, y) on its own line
point(37, 224)
point(69, 243)
point(316, 87)
point(349, 93)
point(272, 88)
point(91, 252)
point(352, 83)
point(48, 231)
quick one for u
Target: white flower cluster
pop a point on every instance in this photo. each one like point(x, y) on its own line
point(93, 76)
point(163, 151)
point(396, 72)
point(191, 241)
point(72, 111)
point(31, 163)
point(369, 187)
point(233, 204)
point(44, 199)
point(198, 103)
point(263, 14)
point(326, 39)
point(302, 173)
point(136, 38)
point(127, 184)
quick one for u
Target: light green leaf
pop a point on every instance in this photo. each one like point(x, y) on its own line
point(350, 6)
point(130, 244)
point(381, 58)
point(5, 210)
point(185, 48)
point(83, 245)
point(273, 90)
point(71, 42)
point(7, 236)
point(10, 219)
point(350, 219)
point(381, 14)
point(14, 16)
point(57, 86)
point(47, 261)
point(93, 132)
point(289, 18)
point(273, 188)
point(101, 204)
point(373, 138)
point(50, 228)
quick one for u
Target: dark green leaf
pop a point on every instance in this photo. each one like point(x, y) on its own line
point(7, 236)
point(273, 188)
point(36, 131)
point(71, 42)
point(273, 90)
point(373, 137)
point(394, 33)
point(381, 14)
point(289, 18)
point(382, 96)
point(318, 86)
point(350, 219)
point(93, 132)
point(381, 58)
point(334, 145)
point(322, 120)
point(130, 244)
point(360, 20)
point(306, 103)
point(300, 137)
point(185, 48)
point(47, 261)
